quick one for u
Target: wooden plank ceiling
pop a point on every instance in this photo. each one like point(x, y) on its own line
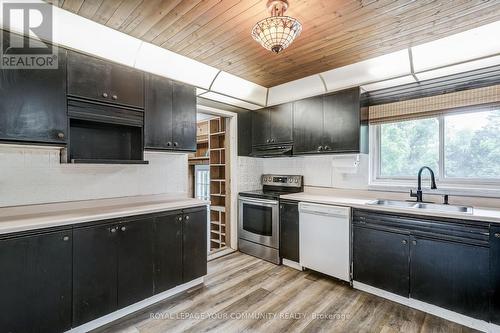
point(335, 32)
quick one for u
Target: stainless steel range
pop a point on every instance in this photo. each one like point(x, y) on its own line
point(258, 216)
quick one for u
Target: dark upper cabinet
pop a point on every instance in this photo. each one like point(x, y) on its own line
point(168, 251)
point(281, 121)
point(104, 81)
point(451, 275)
point(342, 119)
point(95, 265)
point(289, 230)
point(35, 283)
point(135, 261)
point(308, 125)
point(245, 133)
point(33, 103)
point(184, 117)
point(158, 112)
point(495, 274)
point(272, 125)
point(380, 259)
point(170, 115)
point(331, 123)
point(194, 244)
point(261, 132)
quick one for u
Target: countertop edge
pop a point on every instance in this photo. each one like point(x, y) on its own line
point(62, 221)
point(350, 202)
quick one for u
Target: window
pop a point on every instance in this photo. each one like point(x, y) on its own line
point(462, 147)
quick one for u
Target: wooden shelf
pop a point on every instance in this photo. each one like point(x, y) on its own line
point(218, 208)
point(217, 180)
point(218, 133)
point(199, 158)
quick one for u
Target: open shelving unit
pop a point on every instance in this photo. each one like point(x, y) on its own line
point(218, 180)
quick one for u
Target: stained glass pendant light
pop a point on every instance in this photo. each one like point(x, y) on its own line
point(277, 32)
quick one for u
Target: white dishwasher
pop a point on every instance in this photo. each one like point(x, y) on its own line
point(324, 238)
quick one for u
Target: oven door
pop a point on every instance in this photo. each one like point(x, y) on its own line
point(259, 221)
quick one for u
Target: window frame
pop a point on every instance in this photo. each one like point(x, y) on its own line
point(453, 183)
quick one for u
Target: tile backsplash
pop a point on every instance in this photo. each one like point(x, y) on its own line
point(339, 171)
point(33, 175)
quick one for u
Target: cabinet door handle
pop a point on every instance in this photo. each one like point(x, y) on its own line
point(124, 228)
point(404, 241)
point(169, 144)
point(497, 235)
point(105, 95)
point(187, 217)
point(320, 148)
point(414, 242)
point(114, 97)
point(176, 144)
point(66, 238)
point(327, 148)
point(112, 230)
point(180, 218)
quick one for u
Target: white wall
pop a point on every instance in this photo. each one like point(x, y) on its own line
point(323, 170)
point(30, 175)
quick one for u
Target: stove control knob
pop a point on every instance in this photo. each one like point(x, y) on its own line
point(296, 180)
point(290, 180)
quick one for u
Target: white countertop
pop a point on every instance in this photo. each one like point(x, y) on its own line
point(23, 218)
point(358, 201)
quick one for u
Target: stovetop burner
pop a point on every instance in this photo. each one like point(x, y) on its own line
point(276, 185)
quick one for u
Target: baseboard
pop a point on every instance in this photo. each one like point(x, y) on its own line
point(221, 253)
point(292, 264)
point(134, 307)
point(461, 319)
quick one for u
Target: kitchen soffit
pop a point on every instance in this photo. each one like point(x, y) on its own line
point(336, 33)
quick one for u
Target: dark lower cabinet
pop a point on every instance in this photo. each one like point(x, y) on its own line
point(95, 266)
point(194, 244)
point(448, 263)
point(495, 274)
point(289, 230)
point(135, 261)
point(33, 102)
point(168, 251)
point(452, 275)
point(53, 281)
point(35, 283)
point(380, 259)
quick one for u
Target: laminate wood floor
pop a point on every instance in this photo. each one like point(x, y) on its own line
point(245, 294)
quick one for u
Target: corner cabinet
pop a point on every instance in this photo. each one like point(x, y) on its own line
point(33, 103)
point(442, 262)
point(333, 123)
point(170, 115)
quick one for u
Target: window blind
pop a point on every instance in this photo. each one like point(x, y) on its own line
point(479, 99)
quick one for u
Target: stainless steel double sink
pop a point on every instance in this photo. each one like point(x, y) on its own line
point(422, 206)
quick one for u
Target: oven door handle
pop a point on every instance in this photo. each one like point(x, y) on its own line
point(259, 201)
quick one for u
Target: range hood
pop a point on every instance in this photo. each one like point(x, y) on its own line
point(274, 150)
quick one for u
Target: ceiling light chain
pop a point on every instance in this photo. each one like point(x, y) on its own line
point(277, 32)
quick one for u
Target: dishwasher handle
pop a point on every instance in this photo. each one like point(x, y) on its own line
point(324, 210)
